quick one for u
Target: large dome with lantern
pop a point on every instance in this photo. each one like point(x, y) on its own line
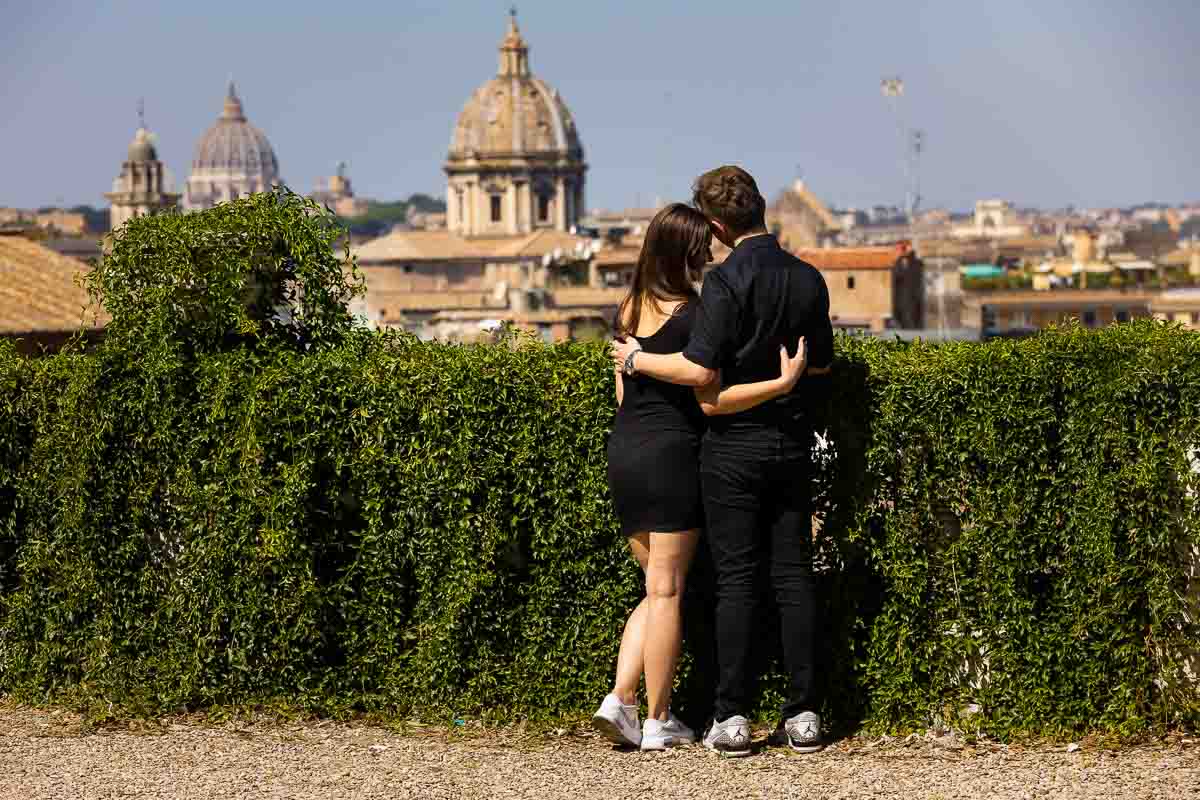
point(515, 162)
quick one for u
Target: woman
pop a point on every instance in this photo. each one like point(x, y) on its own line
point(653, 470)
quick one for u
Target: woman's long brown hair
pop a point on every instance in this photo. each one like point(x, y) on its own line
point(674, 251)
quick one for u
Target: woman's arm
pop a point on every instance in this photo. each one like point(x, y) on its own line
point(731, 400)
point(620, 388)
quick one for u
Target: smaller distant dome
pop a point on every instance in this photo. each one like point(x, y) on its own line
point(141, 149)
point(233, 159)
point(233, 144)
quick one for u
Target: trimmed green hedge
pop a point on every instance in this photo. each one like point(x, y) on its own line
point(372, 523)
point(395, 525)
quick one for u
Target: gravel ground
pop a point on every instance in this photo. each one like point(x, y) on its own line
point(51, 755)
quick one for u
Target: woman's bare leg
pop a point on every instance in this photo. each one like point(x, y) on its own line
point(630, 661)
point(666, 574)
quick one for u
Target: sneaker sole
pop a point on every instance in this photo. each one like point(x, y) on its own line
point(665, 743)
point(609, 730)
point(807, 748)
point(728, 753)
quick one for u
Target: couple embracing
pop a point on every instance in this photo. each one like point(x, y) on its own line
point(711, 437)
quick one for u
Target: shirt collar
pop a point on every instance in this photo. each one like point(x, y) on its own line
point(755, 242)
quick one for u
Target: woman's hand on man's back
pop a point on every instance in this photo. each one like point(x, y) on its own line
point(792, 367)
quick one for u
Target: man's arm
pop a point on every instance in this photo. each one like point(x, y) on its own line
point(697, 365)
point(673, 368)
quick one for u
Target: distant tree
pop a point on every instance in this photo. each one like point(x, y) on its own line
point(258, 269)
point(97, 218)
point(381, 216)
point(426, 204)
point(1190, 228)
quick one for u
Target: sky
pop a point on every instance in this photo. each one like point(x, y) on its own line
point(1045, 103)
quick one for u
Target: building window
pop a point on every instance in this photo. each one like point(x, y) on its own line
point(1122, 315)
point(850, 282)
point(496, 211)
point(1196, 317)
point(543, 208)
point(1089, 318)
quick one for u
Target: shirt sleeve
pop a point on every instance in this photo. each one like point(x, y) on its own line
point(716, 324)
point(820, 339)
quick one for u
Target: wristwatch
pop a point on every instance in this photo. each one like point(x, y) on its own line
point(628, 368)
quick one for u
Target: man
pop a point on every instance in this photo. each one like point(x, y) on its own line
point(754, 465)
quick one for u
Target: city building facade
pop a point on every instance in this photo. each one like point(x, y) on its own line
point(335, 193)
point(1013, 313)
point(872, 289)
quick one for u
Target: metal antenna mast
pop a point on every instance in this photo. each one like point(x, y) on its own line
point(918, 146)
point(912, 144)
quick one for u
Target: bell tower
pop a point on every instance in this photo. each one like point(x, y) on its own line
point(141, 188)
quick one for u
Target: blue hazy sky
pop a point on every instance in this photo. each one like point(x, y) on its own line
point(1043, 102)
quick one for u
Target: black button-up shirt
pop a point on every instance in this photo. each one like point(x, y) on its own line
point(760, 298)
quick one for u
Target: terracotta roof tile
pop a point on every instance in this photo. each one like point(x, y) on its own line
point(448, 246)
point(1180, 257)
point(840, 258)
point(38, 290)
point(622, 255)
point(575, 296)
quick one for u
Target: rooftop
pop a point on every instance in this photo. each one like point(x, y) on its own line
point(846, 258)
point(38, 292)
point(443, 245)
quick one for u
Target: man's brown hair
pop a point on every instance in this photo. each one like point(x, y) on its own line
point(730, 195)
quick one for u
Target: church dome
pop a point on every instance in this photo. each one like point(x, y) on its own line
point(232, 159)
point(233, 144)
point(515, 114)
point(515, 163)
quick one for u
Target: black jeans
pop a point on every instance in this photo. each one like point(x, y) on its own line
point(758, 506)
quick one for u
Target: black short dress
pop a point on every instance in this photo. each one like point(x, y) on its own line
point(654, 449)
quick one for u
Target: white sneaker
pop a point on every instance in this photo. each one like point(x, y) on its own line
point(658, 735)
point(803, 732)
point(729, 738)
point(618, 722)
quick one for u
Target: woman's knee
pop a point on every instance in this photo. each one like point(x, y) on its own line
point(664, 582)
